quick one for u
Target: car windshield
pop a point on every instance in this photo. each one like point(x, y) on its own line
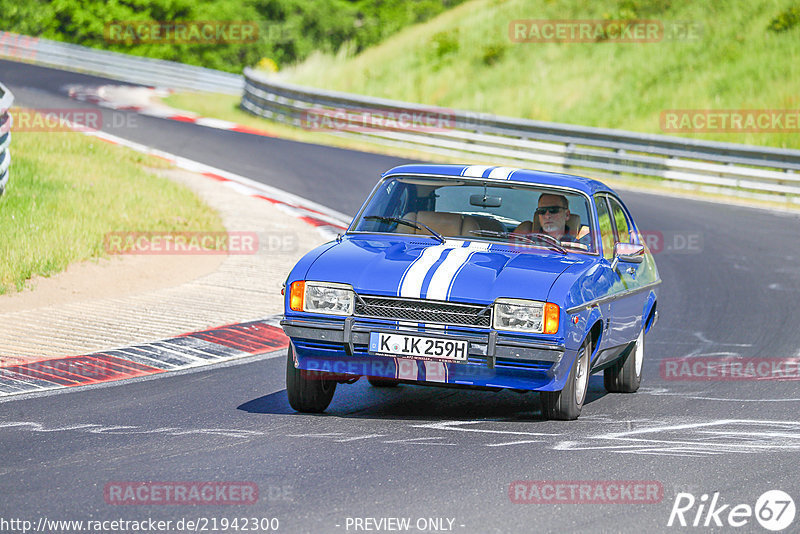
point(527, 215)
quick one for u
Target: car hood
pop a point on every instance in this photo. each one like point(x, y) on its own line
point(458, 270)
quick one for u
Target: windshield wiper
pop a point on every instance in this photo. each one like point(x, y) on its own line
point(547, 238)
point(399, 220)
point(492, 233)
point(550, 241)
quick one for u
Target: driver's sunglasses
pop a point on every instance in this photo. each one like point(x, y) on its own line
point(552, 210)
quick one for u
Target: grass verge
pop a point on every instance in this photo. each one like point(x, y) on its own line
point(735, 55)
point(67, 191)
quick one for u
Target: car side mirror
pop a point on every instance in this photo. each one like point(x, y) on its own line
point(628, 253)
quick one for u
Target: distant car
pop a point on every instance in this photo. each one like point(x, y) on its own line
point(453, 274)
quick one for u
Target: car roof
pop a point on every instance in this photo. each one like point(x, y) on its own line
point(580, 183)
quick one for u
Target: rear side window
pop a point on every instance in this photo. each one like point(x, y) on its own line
point(606, 228)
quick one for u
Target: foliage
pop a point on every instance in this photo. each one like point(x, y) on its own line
point(786, 20)
point(712, 56)
point(289, 30)
point(493, 53)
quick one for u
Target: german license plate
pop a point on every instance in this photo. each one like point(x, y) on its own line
point(420, 347)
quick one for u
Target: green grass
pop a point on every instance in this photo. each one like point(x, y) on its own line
point(67, 191)
point(464, 59)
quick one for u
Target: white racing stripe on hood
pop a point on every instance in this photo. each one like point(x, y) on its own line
point(447, 271)
point(411, 283)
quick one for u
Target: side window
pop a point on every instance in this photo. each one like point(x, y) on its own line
point(620, 222)
point(606, 229)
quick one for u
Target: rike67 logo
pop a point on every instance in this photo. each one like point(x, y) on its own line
point(774, 510)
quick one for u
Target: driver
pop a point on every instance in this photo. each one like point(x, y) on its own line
point(553, 213)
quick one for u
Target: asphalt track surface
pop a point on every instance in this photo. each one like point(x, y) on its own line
point(419, 452)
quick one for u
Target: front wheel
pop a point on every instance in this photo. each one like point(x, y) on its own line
point(566, 404)
point(308, 391)
point(625, 376)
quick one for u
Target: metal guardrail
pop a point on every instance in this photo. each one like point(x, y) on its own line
point(750, 170)
point(6, 101)
point(134, 69)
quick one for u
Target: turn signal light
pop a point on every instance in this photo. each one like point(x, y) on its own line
point(550, 318)
point(296, 292)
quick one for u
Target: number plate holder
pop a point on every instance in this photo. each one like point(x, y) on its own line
point(418, 347)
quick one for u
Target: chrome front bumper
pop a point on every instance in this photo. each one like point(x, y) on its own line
point(350, 331)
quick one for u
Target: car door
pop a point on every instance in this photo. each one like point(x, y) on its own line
point(605, 282)
point(628, 308)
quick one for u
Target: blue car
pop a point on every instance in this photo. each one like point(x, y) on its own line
point(475, 276)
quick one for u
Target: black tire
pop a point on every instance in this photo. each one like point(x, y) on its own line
point(625, 376)
point(565, 405)
point(382, 382)
point(308, 391)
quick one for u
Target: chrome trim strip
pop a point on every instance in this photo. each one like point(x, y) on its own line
point(491, 344)
point(611, 298)
point(338, 326)
point(423, 302)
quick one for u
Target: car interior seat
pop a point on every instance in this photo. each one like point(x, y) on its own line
point(446, 223)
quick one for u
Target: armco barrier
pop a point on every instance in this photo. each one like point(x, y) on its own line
point(119, 66)
point(6, 101)
point(745, 170)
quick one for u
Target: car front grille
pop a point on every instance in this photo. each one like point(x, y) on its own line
point(424, 311)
